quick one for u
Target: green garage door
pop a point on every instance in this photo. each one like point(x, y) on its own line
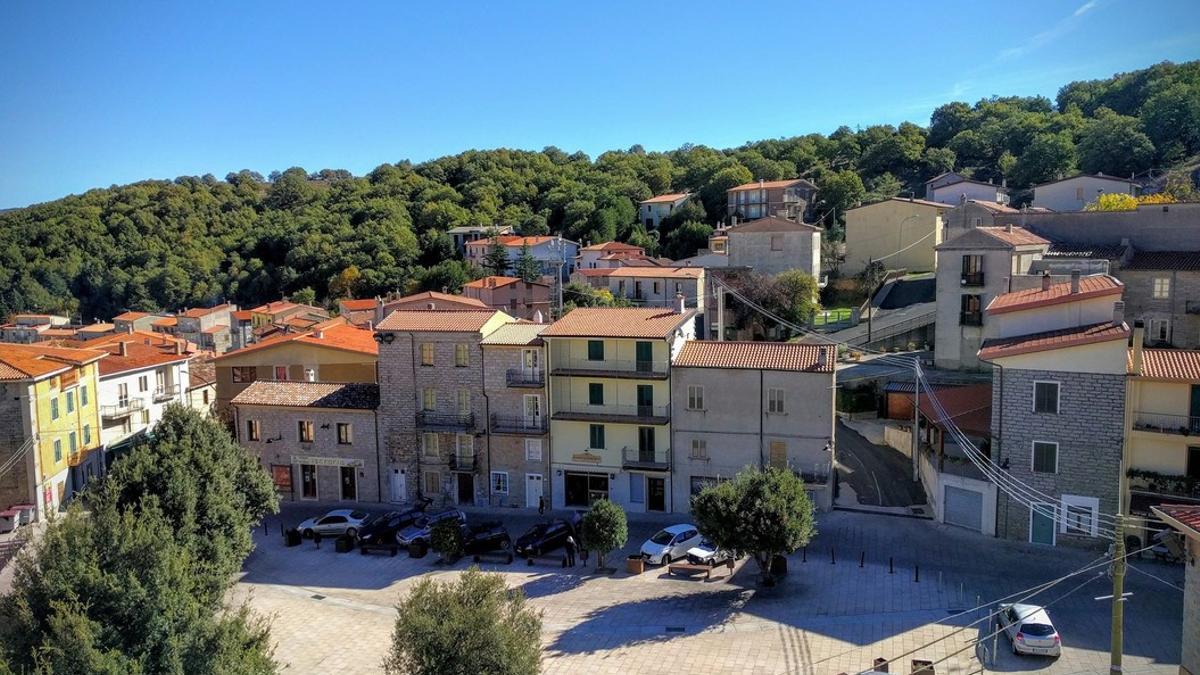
point(964, 508)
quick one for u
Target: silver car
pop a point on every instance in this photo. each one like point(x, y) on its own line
point(1030, 630)
point(670, 543)
point(335, 523)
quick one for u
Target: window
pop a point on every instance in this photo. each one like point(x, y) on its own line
point(1162, 288)
point(87, 434)
point(243, 374)
point(57, 450)
point(253, 433)
point(143, 383)
point(533, 449)
point(126, 426)
point(54, 408)
point(699, 449)
point(305, 430)
point(595, 350)
point(1045, 457)
point(72, 442)
point(654, 287)
point(971, 311)
point(695, 397)
point(1192, 469)
point(461, 359)
point(972, 270)
point(123, 394)
point(775, 400)
point(1045, 397)
point(345, 435)
point(1160, 331)
point(776, 242)
point(428, 399)
point(464, 401)
point(145, 417)
point(778, 456)
point(433, 482)
point(596, 436)
point(595, 393)
point(427, 353)
point(429, 445)
point(500, 482)
point(1079, 515)
point(70, 402)
point(204, 397)
point(464, 445)
point(281, 373)
point(83, 396)
point(637, 488)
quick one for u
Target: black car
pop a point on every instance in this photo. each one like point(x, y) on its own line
point(543, 538)
point(384, 528)
point(485, 538)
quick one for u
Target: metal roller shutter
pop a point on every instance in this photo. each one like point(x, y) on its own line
point(964, 508)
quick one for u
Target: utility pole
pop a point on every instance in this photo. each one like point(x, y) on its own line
point(916, 430)
point(1118, 609)
point(870, 295)
point(720, 312)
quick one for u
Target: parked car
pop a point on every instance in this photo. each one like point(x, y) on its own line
point(543, 538)
point(334, 523)
point(706, 553)
point(669, 544)
point(1030, 630)
point(485, 538)
point(418, 532)
point(385, 528)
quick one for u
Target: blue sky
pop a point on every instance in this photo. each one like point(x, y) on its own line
point(93, 94)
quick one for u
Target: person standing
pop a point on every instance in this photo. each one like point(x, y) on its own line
point(541, 506)
point(569, 546)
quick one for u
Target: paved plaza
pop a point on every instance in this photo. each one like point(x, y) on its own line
point(838, 609)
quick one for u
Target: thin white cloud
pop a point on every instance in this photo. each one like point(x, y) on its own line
point(1039, 40)
point(1083, 9)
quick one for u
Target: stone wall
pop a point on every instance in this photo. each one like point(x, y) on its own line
point(506, 451)
point(1157, 227)
point(1140, 303)
point(14, 485)
point(1088, 429)
point(1190, 663)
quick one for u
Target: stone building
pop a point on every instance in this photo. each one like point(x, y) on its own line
point(518, 440)
point(1186, 521)
point(772, 245)
point(520, 298)
point(1163, 290)
point(433, 416)
point(316, 439)
point(652, 211)
point(790, 199)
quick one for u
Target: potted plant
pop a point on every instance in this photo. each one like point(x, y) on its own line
point(446, 538)
point(635, 563)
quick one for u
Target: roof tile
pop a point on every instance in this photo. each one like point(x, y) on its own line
point(353, 396)
point(1186, 515)
point(627, 322)
point(1184, 261)
point(1093, 286)
point(1169, 364)
point(793, 356)
point(1055, 339)
point(437, 320)
point(770, 184)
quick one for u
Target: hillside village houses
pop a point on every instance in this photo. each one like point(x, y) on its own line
point(1075, 192)
point(790, 199)
point(773, 244)
point(652, 211)
point(555, 255)
point(519, 298)
point(650, 286)
point(616, 254)
point(900, 233)
point(517, 445)
point(954, 188)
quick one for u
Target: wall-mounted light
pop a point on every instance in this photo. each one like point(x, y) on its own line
point(389, 338)
point(558, 472)
point(325, 426)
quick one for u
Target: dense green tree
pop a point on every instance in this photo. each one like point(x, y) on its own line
point(761, 513)
point(474, 624)
point(527, 267)
point(685, 240)
point(495, 261)
point(1047, 157)
point(604, 529)
point(1114, 144)
point(801, 295)
point(1172, 120)
point(447, 276)
point(304, 296)
point(840, 191)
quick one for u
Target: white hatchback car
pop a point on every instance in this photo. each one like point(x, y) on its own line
point(670, 543)
point(334, 523)
point(1030, 630)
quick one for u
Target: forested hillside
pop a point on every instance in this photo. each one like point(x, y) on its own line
point(169, 244)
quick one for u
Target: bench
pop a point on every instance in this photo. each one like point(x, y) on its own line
point(690, 569)
point(390, 548)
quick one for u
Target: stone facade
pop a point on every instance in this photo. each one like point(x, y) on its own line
point(1190, 662)
point(16, 486)
point(279, 446)
point(1088, 429)
point(518, 441)
point(1176, 316)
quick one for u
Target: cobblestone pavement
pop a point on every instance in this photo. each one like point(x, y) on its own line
point(334, 612)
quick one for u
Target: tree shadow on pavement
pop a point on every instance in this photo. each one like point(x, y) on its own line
point(551, 583)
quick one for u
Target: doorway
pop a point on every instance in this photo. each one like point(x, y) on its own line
point(645, 400)
point(466, 488)
point(397, 480)
point(1041, 523)
point(656, 494)
point(349, 484)
point(644, 352)
point(308, 481)
point(533, 490)
point(582, 489)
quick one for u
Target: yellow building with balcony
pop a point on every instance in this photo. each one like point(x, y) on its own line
point(610, 404)
point(1162, 438)
point(49, 424)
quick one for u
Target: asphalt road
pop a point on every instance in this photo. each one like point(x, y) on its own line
point(879, 475)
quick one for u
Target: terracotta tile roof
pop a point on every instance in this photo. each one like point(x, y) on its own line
point(243, 315)
point(795, 356)
point(436, 297)
point(96, 328)
point(672, 197)
point(22, 362)
point(493, 281)
point(1067, 249)
point(516, 334)
point(334, 334)
point(920, 202)
point(201, 373)
point(1055, 339)
point(197, 312)
point(650, 272)
point(628, 322)
point(301, 322)
point(165, 321)
point(1014, 235)
point(131, 316)
point(772, 224)
point(352, 396)
point(512, 240)
point(1094, 286)
point(1186, 518)
point(969, 408)
point(1087, 175)
point(1184, 261)
point(770, 184)
point(1169, 364)
point(612, 246)
point(145, 336)
point(138, 356)
point(273, 307)
point(437, 320)
point(358, 305)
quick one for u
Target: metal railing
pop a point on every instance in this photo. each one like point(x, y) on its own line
point(428, 418)
point(972, 279)
point(519, 424)
point(462, 461)
point(118, 410)
point(525, 377)
point(166, 393)
point(970, 318)
point(639, 458)
point(632, 411)
point(1166, 424)
point(634, 367)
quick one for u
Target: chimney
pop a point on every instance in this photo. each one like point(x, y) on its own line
point(318, 333)
point(1008, 228)
point(122, 348)
point(761, 182)
point(1119, 312)
point(822, 357)
point(1139, 336)
point(310, 375)
point(537, 316)
point(1075, 274)
point(370, 325)
point(1046, 280)
point(178, 347)
point(962, 198)
point(680, 304)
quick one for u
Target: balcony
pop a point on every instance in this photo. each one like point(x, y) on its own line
point(525, 377)
point(635, 369)
point(617, 414)
point(464, 462)
point(519, 424)
point(972, 279)
point(1183, 425)
point(121, 409)
point(166, 393)
point(970, 318)
point(646, 460)
point(427, 419)
point(1166, 485)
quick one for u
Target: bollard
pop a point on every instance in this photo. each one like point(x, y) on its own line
point(833, 556)
point(281, 532)
point(804, 554)
point(862, 558)
point(891, 567)
point(917, 573)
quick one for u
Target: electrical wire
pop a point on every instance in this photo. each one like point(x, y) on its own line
point(1156, 578)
